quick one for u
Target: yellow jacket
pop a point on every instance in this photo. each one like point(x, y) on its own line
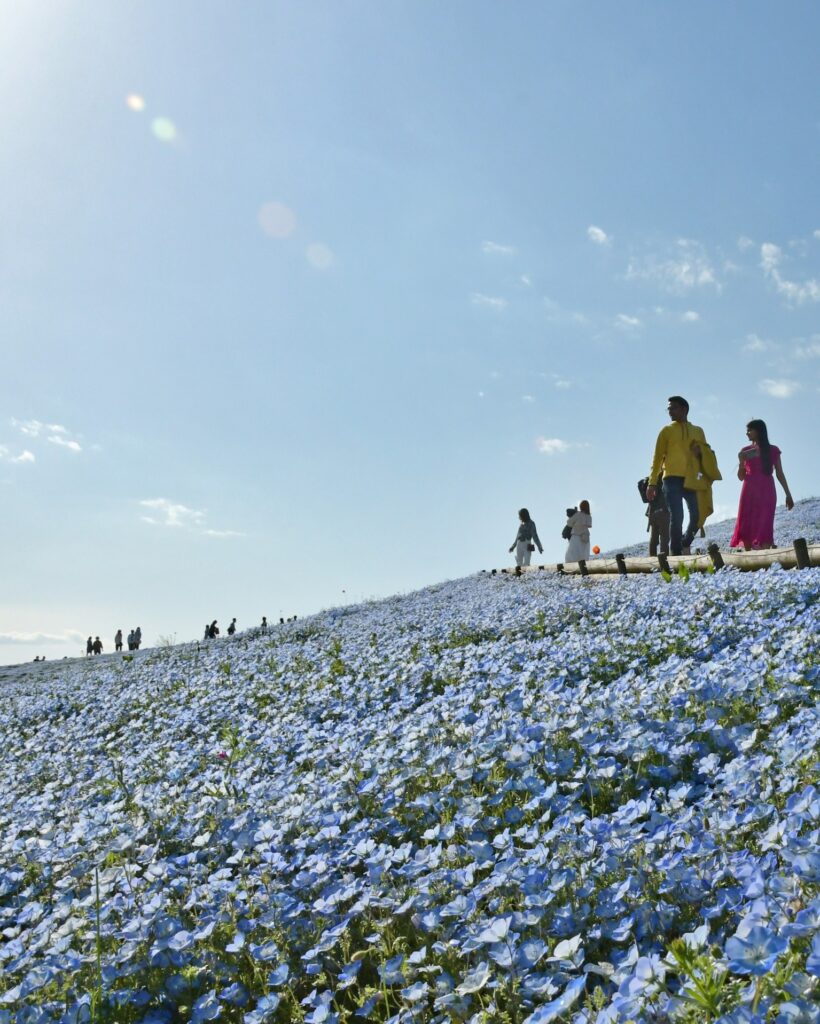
point(703, 475)
point(673, 451)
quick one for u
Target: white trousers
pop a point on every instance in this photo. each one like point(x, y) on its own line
point(522, 553)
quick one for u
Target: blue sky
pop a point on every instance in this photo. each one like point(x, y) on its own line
point(300, 302)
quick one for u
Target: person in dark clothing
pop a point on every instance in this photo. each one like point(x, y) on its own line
point(526, 539)
point(118, 640)
point(137, 638)
point(232, 627)
point(89, 647)
point(657, 518)
point(213, 631)
point(264, 623)
point(97, 646)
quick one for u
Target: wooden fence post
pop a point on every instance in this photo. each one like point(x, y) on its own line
point(621, 564)
point(801, 550)
point(715, 555)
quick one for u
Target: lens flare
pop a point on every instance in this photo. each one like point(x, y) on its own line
point(164, 129)
point(277, 220)
point(319, 255)
point(135, 102)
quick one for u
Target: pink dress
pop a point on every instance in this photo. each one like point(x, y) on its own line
point(755, 513)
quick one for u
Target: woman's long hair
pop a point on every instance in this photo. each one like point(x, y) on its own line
point(584, 507)
point(524, 515)
point(763, 444)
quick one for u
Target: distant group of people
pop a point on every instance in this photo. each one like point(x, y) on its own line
point(212, 628)
point(134, 639)
point(683, 469)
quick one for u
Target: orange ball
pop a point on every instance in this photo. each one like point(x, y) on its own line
point(596, 550)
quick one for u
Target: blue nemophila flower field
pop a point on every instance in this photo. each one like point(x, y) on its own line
point(498, 799)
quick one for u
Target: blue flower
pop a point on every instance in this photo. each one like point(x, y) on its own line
point(755, 952)
point(206, 1008)
point(549, 1011)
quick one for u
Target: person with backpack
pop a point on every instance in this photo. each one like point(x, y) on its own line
point(657, 519)
point(97, 646)
point(579, 523)
point(213, 631)
point(526, 539)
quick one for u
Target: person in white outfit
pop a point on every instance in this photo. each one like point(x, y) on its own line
point(579, 523)
point(526, 540)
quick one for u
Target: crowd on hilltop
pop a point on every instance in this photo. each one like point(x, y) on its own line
point(212, 628)
point(684, 468)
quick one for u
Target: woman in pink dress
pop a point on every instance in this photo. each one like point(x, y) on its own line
point(758, 464)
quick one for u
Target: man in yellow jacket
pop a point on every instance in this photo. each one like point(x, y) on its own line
point(677, 456)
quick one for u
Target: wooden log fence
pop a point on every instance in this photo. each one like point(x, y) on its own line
point(800, 555)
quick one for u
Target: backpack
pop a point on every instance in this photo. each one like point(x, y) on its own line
point(642, 485)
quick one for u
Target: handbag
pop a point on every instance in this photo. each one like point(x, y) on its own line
point(566, 533)
point(530, 547)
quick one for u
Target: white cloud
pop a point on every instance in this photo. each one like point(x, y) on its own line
point(744, 243)
point(687, 267)
point(172, 513)
point(488, 301)
point(481, 394)
point(690, 316)
point(74, 446)
point(6, 456)
point(527, 398)
point(816, 234)
point(771, 256)
point(779, 388)
point(808, 349)
point(562, 384)
point(494, 249)
point(56, 433)
point(526, 280)
point(598, 235)
point(627, 322)
point(552, 445)
point(754, 343)
point(557, 315)
point(70, 636)
point(33, 428)
point(320, 256)
point(277, 220)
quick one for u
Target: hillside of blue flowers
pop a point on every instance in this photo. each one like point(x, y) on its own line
point(499, 799)
point(801, 521)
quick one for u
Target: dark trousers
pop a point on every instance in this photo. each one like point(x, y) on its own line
point(676, 494)
point(659, 531)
